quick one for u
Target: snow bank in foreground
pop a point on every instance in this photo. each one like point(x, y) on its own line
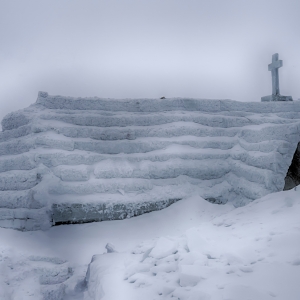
point(252, 252)
point(192, 250)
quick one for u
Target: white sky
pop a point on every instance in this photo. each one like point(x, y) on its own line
point(146, 48)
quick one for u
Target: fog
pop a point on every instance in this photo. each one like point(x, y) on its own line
point(218, 49)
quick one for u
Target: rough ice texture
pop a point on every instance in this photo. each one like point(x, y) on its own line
point(75, 160)
point(35, 277)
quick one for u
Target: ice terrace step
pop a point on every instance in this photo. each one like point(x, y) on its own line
point(17, 146)
point(132, 132)
point(159, 118)
point(16, 133)
point(115, 185)
point(156, 105)
point(162, 170)
point(19, 180)
point(17, 162)
point(261, 159)
point(142, 145)
point(19, 199)
point(77, 157)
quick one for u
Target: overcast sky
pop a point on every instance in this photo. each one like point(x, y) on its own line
point(146, 48)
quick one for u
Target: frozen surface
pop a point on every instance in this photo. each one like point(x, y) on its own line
point(252, 253)
point(76, 160)
point(190, 250)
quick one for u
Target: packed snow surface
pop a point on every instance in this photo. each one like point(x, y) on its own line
point(192, 250)
point(74, 160)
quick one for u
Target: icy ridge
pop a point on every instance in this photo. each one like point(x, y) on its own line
point(74, 160)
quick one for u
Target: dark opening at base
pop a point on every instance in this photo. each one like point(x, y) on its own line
point(292, 177)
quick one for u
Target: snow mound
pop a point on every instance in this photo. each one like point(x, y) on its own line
point(75, 160)
point(250, 252)
point(164, 247)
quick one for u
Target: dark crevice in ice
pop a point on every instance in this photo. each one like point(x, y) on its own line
point(292, 178)
point(216, 200)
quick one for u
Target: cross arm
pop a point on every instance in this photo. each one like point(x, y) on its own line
point(275, 65)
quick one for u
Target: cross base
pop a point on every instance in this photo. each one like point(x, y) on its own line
point(276, 98)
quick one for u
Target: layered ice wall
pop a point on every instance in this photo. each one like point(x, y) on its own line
point(72, 160)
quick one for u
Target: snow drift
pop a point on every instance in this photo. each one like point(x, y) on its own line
point(67, 160)
point(251, 252)
point(192, 250)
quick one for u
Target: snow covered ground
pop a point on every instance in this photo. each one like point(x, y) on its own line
point(191, 250)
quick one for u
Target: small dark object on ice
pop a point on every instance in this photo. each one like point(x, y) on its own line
point(163, 98)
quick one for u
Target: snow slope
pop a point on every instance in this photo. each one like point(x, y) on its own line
point(192, 250)
point(74, 160)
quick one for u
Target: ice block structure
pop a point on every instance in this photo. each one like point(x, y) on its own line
point(74, 160)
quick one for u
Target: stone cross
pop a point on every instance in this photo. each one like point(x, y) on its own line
point(273, 67)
